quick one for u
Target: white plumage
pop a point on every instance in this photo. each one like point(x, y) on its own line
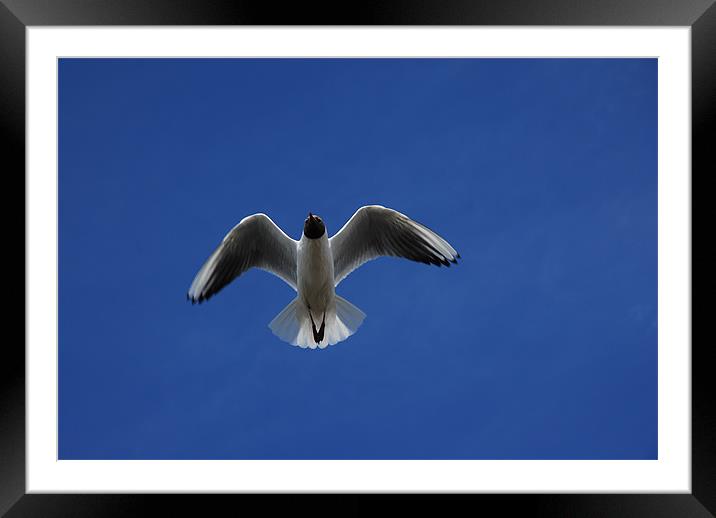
point(315, 265)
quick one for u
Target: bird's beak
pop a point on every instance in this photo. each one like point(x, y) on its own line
point(311, 217)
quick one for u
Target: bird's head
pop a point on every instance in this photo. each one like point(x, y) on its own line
point(313, 227)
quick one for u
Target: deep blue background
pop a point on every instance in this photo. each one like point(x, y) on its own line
point(540, 344)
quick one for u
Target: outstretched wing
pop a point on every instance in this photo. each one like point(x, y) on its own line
point(374, 231)
point(256, 242)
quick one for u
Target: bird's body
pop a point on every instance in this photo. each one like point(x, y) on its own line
point(316, 285)
point(315, 265)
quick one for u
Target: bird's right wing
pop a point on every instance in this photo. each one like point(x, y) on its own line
point(256, 242)
point(375, 231)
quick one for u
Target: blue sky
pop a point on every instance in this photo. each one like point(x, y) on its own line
point(540, 344)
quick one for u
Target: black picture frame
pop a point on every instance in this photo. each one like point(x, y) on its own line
point(16, 15)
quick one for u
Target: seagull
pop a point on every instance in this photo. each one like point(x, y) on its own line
point(316, 264)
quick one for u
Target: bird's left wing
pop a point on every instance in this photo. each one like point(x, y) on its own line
point(256, 242)
point(375, 231)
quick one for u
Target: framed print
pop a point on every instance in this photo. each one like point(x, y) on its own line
point(549, 167)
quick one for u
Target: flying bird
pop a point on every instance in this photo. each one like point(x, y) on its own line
point(316, 264)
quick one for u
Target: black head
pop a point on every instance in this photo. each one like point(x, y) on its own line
point(313, 228)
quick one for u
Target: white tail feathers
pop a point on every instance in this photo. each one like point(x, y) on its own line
point(293, 324)
point(348, 319)
point(290, 323)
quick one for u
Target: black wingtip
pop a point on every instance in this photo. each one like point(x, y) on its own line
point(194, 300)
